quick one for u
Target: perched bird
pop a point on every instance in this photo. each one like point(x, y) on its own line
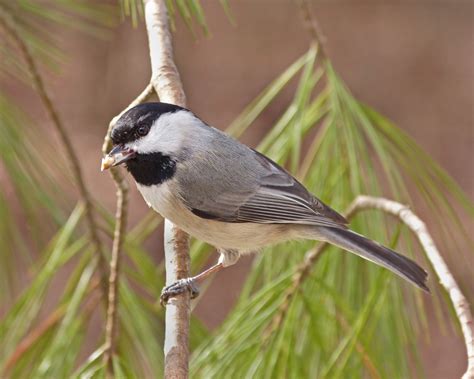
point(227, 194)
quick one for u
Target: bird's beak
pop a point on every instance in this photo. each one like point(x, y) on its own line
point(118, 155)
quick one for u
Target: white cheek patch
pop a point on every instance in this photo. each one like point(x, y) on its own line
point(167, 134)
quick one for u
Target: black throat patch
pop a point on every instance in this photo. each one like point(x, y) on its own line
point(150, 169)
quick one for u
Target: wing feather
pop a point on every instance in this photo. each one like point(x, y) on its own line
point(246, 186)
point(271, 206)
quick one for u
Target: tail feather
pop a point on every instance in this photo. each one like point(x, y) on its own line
point(381, 255)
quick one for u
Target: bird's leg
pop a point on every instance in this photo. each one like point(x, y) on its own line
point(187, 284)
point(227, 258)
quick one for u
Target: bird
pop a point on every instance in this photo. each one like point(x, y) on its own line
point(227, 194)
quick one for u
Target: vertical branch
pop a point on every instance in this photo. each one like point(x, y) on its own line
point(312, 25)
point(167, 83)
point(164, 74)
point(111, 325)
point(9, 24)
point(176, 348)
point(119, 232)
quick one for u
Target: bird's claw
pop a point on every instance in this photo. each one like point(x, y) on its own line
point(179, 287)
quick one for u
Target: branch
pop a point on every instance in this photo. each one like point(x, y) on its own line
point(176, 348)
point(9, 23)
point(168, 86)
point(446, 279)
point(111, 325)
point(405, 215)
point(311, 23)
point(164, 74)
point(119, 232)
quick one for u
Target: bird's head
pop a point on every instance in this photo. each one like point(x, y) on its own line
point(146, 129)
point(149, 139)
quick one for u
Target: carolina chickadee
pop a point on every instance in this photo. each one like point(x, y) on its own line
point(227, 194)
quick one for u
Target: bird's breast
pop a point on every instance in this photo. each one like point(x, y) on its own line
point(161, 198)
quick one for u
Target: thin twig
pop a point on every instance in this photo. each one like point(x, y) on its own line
point(111, 324)
point(312, 25)
point(446, 279)
point(119, 232)
point(8, 22)
point(168, 86)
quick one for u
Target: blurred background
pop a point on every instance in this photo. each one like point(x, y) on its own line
point(412, 61)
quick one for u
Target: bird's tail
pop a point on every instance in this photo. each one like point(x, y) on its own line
point(374, 252)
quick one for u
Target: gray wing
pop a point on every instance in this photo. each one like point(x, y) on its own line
point(242, 185)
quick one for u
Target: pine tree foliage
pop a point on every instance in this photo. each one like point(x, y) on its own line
point(345, 317)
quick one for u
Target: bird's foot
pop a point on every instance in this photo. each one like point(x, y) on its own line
point(179, 287)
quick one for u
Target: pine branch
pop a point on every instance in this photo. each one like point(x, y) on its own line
point(446, 279)
point(164, 77)
point(405, 215)
point(9, 24)
point(111, 325)
point(119, 232)
point(312, 24)
point(168, 86)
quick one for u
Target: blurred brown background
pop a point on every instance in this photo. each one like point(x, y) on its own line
point(412, 61)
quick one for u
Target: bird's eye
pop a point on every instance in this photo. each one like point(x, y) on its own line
point(142, 130)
